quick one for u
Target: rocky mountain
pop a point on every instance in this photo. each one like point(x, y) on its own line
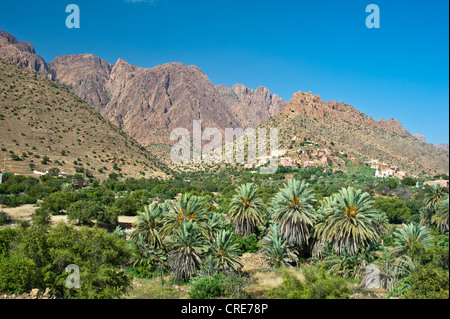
point(443, 146)
point(252, 107)
point(21, 54)
point(420, 137)
point(44, 126)
point(146, 103)
point(149, 103)
point(308, 117)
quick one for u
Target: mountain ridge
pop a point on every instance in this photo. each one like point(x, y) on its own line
point(148, 103)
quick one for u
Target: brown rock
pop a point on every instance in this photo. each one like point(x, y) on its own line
point(34, 293)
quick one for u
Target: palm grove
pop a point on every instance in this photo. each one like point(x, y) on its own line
point(343, 235)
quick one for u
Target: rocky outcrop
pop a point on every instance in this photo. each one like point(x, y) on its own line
point(21, 54)
point(443, 146)
point(252, 107)
point(346, 115)
point(307, 117)
point(148, 103)
point(85, 74)
point(419, 137)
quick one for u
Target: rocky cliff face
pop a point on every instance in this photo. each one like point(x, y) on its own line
point(21, 54)
point(308, 117)
point(443, 146)
point(314, 107)
point(148, 103)
point(419, 137)
point(252, 107)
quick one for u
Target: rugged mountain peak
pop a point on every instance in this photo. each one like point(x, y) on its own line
point(443, 146)
point(252, 107)
point(420, 137)
point(8, 37)
point(21, 54)
point(393, 126)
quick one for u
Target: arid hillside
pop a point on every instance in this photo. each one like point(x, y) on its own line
point(43, 125)
point(342, 127)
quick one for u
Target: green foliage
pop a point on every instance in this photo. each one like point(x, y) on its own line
point(207, 287)
point(428, 283)
point(224, 251)
point(187, 245)
point(248, 244)
point(277, 249)
point(391, 183)
point(395, 208)
point(57, 202)
point(5, 219)
point(227, 285)
point(348, 221)
point(85, 212)
point(411, 240)
point(317, 285)
point(18, 273)
point(38, 258)
point(409, 181)
point(293, 209)
point(7, 235)
point(245, 209)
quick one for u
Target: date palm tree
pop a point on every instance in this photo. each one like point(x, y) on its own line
point(293, 209)
point(441, 217)
point(410, 239)
point(245, 210)
point(224, 251)
point(148, 225)
point(146, 255)
point(186, 208)
point(347, 221)
point(187, 245)
point(435, 196)
point(277, 249)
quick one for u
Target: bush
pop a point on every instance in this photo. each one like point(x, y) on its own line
point(317, 285)
point(248, 244)
point(5, 219)
point(218, 285)
point(207, 287)
point(395, 208)
point(87, 211)
point(18, 274)
point(409, 181)
point(38, 259)
point(428, 283)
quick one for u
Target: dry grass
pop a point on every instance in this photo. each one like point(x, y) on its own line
point(23, 212)
point(152, 289)
point(261, 282)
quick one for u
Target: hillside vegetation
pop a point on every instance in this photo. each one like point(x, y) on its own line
point(43, 126)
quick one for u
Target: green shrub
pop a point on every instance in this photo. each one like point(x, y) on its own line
point(317, 285)
point(395, 208)
point(5, 219)
point(428, 283)
point(248, 244)
point(38, 258)
point(207, 287)
point(18, 274)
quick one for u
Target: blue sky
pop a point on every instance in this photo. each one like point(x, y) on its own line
point(323, 46)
